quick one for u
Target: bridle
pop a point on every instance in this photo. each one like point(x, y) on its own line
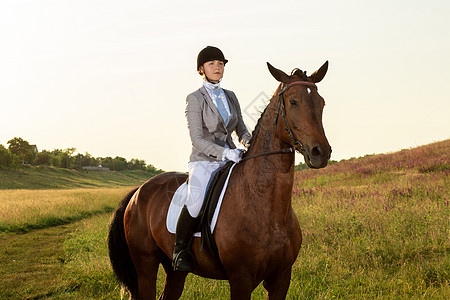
point(297, 144)
point(282, 107)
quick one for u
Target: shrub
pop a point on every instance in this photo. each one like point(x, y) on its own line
point(5, 158)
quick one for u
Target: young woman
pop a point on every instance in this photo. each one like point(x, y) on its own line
point(212, 114)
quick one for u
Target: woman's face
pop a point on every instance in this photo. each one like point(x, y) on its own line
point(213, 70)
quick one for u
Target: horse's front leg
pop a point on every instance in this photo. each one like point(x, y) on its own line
point(241, 286)
point(277, 285)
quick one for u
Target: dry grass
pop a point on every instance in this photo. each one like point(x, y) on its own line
point(23, 210)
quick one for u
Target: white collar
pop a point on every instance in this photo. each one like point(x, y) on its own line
point(211, 86)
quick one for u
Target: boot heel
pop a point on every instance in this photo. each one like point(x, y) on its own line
point(182, 257)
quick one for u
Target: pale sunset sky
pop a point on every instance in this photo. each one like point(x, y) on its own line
point(111, 77)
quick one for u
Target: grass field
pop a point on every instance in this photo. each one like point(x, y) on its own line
point(373, 228)
point(25, 210)
point(42, 177)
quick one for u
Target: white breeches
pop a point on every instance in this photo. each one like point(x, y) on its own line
point(200, 174)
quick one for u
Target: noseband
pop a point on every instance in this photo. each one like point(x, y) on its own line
point(297, 144)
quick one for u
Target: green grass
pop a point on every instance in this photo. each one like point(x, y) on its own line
point(57, 178)
point(376, 227)
point(344, 256)
point(87, 268)
point(373, 228)
point(32, 264)
point(87, 265)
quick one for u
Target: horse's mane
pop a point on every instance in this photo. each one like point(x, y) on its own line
point(296, 71)
point(300, 73)
point(257, 127)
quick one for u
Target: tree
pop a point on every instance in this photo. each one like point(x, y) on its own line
point(57, 158)
point(5, 158)
point(56, 161)
point(119, 163)
point(63, 158)
point(151, 169)
point(136, 164)
point(66, 158)
point(95, 161)
point(78, 161)
point(86, 160)
point(107, 162)
point(21, 149)
point(43, 158)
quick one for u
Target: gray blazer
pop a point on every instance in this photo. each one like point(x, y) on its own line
point(207, 129)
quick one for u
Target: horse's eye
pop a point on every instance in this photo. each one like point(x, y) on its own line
point(293, 102)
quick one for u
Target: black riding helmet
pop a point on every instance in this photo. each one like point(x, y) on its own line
point(210, 53)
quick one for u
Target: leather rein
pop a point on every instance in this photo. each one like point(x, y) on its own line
point(281, 106)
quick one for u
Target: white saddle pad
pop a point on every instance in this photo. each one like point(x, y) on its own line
point(179, 199)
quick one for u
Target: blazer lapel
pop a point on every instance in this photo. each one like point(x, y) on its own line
point(231, 105)
point(208, 100)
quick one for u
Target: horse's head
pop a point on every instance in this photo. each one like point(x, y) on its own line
point(301, 109)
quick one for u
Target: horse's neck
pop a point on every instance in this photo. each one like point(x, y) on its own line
point(266, 139)
point(272, 174)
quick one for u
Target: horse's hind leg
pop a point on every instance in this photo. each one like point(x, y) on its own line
point(147, 271)
point(277, 286)
point(173, 288)
point(146, 260)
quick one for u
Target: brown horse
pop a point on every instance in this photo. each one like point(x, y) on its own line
point(257, 233)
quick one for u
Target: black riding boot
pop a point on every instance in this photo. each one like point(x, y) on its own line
point(182, 256)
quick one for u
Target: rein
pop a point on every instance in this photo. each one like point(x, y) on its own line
point(297, 144)
point(283, 151)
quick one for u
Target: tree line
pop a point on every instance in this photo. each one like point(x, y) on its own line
point(21, 152)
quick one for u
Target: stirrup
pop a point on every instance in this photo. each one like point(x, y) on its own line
point(182, 261)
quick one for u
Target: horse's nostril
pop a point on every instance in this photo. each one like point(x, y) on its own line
point(316, 151)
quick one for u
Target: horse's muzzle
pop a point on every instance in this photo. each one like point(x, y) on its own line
point(317, 157)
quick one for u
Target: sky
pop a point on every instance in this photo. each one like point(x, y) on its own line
point(111, 77)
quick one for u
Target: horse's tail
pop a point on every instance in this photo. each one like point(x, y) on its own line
point(119, 254)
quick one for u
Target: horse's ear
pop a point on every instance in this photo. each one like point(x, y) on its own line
point(318, 75)
point(278, 74)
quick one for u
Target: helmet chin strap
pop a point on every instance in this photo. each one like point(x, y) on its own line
point(207, 79)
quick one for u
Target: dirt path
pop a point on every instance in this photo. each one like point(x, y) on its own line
point(31, 264)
